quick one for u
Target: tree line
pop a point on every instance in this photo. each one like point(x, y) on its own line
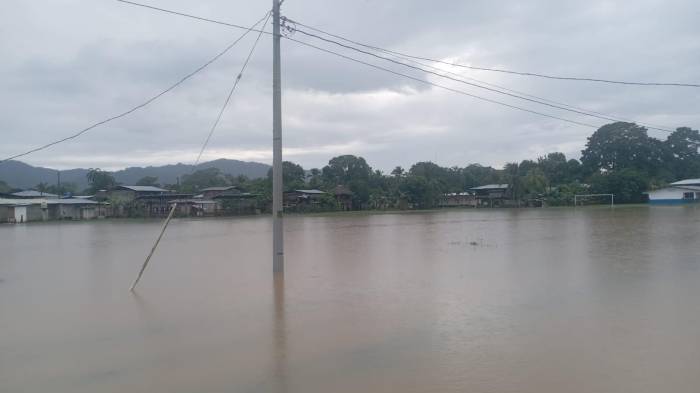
point(619, 158)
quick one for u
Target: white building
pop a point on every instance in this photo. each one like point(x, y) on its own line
point(684, 191)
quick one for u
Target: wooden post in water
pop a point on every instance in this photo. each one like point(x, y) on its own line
point(155, 245)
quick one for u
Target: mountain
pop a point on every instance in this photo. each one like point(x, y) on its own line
point(20, 175)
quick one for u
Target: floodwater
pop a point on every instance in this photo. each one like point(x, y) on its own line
point(548, 300)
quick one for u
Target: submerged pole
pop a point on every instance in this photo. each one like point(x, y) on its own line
point(277, 223)
point(155, 245)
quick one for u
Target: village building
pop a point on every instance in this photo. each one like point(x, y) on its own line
point(194, 207)
point(458, 199)
point(303, 199)
point(21, 210)
point(121, 194)
point(233, 203)
point(29, 194)
point(139, 201)
point(680, 192)
point(491, 195)
point(211, 192)
point(343, 197)
point(151, 205)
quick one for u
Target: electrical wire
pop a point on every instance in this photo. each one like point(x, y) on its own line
point(539, 75)
point(538, 100)
point(230, 93)
point(419, 80)
point(581, 112)
point(139, 106)
point(477, 81)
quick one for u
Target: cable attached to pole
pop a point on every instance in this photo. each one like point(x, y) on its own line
point(145, 103)
point(204, 146)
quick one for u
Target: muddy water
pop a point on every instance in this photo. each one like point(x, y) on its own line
point(587, 300)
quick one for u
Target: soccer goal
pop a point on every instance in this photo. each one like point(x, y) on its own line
point(593, 199)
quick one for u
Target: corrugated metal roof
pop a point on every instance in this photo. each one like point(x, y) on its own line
point(217, 188)
point(687, 182)
point(34, 194)
point(491, 187)
point(71, 201)
point(143, 188)
point(48, 201)
point(18, 202)
point(311, 191)
point(194, 201)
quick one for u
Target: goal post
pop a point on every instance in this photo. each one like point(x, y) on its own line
point(579, 197)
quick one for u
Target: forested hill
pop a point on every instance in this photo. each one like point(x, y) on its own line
point(20, 175)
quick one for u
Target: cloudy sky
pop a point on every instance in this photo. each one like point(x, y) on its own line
point(69, 63)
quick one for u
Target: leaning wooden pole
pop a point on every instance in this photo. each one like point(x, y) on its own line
point(155, 245)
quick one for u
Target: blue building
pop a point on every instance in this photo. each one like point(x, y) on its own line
point(684, 191)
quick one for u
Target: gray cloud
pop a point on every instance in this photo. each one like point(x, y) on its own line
point(69, 63)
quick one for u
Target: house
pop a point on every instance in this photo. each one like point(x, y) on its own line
point(301, 199)
point(194, 207)
point(151, 205)
point(23, 210)
point(680, 192)
point(122, 194)
point(491, 194)
point(230, 203)
point(458, 199)
point(139, 201)
point(211, 192)
point(28, 194)
point(343, 196)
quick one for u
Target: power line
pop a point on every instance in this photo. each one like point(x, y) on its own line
point(423, 64)
point(581, 112)
point(359, 61)
point(439, 85)
point(543, 101)
point(230, 93)
point(218, 22)
point(695, 85)
point(539, 75)
point(147, 102)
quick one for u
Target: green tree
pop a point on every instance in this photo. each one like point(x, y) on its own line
point(477, 175)
point(622, 145)
point(203, 178)
point(42, 187)
point(419, 191)
point(315, 179)
point(5, 188)
point(148, 181)
point(514, 178)
point(293, 175)
point(627, 185)
point(99, 180)
point(397, 172)
point(345, 169)
point(555, 168)
point(535, 182)
point(63, 189)
point(683, 145)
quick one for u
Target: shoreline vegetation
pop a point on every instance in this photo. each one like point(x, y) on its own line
point(619, 158)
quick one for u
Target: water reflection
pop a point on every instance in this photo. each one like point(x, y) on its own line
point(279, 334)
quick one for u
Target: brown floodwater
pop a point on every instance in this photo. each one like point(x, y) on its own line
point(548, 300)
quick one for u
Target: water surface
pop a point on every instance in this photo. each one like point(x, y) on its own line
point(548, 300)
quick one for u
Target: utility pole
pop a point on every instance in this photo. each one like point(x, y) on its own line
point(277, 233)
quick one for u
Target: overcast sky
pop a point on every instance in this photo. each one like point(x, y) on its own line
point(69, 63)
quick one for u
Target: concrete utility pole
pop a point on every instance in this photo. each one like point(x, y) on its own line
point(277, 233)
